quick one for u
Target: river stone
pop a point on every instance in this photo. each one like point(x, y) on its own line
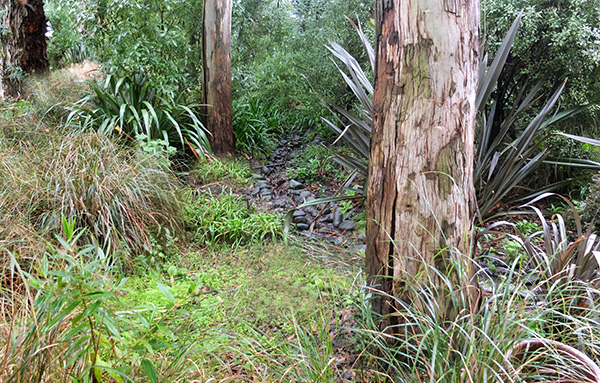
point(296, 185)
point(305, 195)
point(255, 191)
point(262, 184)
point(300, 220)
point(312, 211)
point(303, 226)
point(278, 203)
point(358, 248)
point(299, 213)
point(347, 225)
point(265, 192)
point(265, 170)
point(337, 217)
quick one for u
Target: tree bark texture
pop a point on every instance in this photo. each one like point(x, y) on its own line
point(23, 36)
point(420, 190)
point(216, 58)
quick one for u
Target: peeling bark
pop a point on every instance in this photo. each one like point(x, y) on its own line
point(420, 191)
point(216, 92)
point(23, 36)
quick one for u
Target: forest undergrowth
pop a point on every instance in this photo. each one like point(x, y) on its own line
point(117, 268)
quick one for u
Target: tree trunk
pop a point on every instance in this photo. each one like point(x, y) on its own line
point(216, 93)
point(420, 191)
point(23, 36)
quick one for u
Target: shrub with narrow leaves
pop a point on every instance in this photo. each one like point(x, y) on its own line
point(119, 195)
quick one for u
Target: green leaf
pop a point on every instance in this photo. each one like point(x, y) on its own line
point(163, 289)
point(150, 371)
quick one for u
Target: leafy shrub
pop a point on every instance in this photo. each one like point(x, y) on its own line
point(212, 169)
point(132, 107)
point(591, 206)
point(256, 126)
point(228, 219)
point(73, 326)
point(119, 195)
point(315, 163)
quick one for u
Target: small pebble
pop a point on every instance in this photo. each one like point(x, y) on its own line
point(299, 213)
point(262, 184)
point(337, 217)
point(347, 225)
point(303, 226)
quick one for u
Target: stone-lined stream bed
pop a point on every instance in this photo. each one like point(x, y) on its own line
point(274, 190)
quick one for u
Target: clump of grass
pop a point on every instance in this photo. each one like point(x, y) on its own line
point(69, 324)
point(226, 218)
point(118, 195)
point(211, 169)
point(425, 345)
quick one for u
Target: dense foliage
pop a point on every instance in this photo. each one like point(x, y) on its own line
point(114, 268)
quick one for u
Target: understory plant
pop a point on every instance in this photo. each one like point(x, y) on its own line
point(66, 321)
point(507, 154)
point(227, 218)
point(480, 345)
point(256, 126)
point(120, 195)
point(132, 108)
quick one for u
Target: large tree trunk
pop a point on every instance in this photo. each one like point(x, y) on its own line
point(23, 36)
point(216, 58)
point(420, 191)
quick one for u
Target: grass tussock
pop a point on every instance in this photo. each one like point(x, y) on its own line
point(118, 195)
point(424, 344)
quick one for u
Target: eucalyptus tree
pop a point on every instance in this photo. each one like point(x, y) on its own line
point(216, 92)
point(420, 190)
point(22, 33)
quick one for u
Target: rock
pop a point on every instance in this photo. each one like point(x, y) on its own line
point(329, 218)
point(298, 213)
point(267, 197)
point(255, 191)
point(304, 195)
point(339, 240)
point(265, 192)
point(337, 217)
point(296, 185)
point(278, 203)
point(258, 176)
point(303, 226)
point(312, 211)
point(358, 248)
point(327, 211)
point(300, 220)
point(283, 142)
point(263, 184)
point(265, 170)
point(347, 225)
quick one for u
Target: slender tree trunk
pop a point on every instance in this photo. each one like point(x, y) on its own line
point(23, 37)
point(216, 58)
point(420, 189)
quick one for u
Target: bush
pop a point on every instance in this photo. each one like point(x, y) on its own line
point(591, 206)
point(256, 125)
point(133, 108)
point(118, 195)
point(228, 219)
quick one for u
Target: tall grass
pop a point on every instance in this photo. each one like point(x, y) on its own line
point(120, 196)
point(476, 347)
